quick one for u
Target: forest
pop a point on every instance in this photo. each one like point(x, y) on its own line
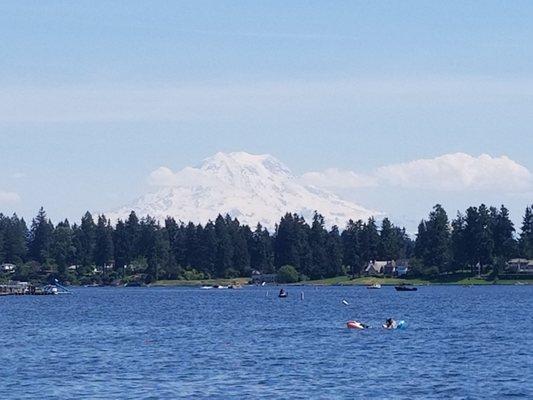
point(97, 251)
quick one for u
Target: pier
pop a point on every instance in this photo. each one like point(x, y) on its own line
point(26, 289)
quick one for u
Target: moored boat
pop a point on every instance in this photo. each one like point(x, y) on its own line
point(374, 286)
point(405, 288)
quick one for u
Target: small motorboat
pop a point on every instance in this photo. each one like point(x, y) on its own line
point(282, 293)
point(374, 286)
point(405, 288)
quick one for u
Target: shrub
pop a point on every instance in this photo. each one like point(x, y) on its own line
point(287, 274)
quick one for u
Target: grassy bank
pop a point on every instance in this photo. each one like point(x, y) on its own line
point(202, 282)
point(345, 280)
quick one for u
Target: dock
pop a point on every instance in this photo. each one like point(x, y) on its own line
point(26, 289)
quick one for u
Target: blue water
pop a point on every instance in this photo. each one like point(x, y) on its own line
point(125, 343)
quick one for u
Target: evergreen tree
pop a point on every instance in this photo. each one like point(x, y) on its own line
point(261, 254)
point(369, 241)
point(40, 237)
point(526, 234)
point(317, 243)
point(63, 250)
point(502, 228)
point(104, 250)
point(351, 238)
point(459, 245)
point(433, 239)
point(85, 241)
point(15, 239)
point(334, 253)
point(224, 249)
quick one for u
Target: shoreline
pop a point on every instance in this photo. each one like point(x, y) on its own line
point(346, 281)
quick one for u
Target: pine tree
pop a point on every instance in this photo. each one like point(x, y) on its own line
point(369, 241)
point(459, 247)
point(262, 256)
point(317, 243)
point(40, 237)
point(505, 246)
point(351, 238)
point(224, 251)
point(526, 234)
point(85, 241)
point(334, 253)
point(63, 249)
point(104, 250)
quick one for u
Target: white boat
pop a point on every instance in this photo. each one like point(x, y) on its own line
point(374, 286)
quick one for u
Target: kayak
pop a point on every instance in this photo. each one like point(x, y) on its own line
point(355, 325)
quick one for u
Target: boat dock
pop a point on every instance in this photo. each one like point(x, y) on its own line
point(26, 289)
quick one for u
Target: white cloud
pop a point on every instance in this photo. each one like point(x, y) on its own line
point(8, 197)
point(338, 179)
point(449, 172)
point(458, 171)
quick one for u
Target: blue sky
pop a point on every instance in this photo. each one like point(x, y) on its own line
point(96, 95)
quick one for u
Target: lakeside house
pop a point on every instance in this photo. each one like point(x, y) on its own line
point(402, 267)
point(376, 267)
point(390, 268)
point(258, 277)
point(7, 268)
point(520, 266)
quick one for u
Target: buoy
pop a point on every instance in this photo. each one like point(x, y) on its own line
point(345, 302)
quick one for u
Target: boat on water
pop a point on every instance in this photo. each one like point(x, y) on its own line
point(405, 288)
point(282, 293)
point(235, 286)
point(374, 286)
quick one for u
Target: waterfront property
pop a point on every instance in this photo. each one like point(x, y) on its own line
point(390, 268)
point(520, 266)
point(258, 277)
point(7, 268)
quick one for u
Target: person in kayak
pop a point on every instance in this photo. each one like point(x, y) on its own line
point(389, 324)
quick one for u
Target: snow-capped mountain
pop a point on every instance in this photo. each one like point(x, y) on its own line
point(252, 188)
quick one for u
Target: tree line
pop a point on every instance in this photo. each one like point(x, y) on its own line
point(482, 237)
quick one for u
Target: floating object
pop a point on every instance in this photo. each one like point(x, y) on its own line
point(374, 286)
point(282, 293)
point(301, 295)
point(356, 325)
point(401, 324)
point(345, 302)
point(263, 284)
point(403, 288)
point(206, 287)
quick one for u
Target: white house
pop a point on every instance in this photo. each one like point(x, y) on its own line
point(520, 265)
point(375, 267)
point(7, 267)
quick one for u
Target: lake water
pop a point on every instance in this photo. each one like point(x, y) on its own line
point(125, 343)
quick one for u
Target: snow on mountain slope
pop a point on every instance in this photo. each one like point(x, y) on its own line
point(252, 188)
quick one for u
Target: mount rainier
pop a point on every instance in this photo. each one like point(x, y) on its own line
point(251, 188)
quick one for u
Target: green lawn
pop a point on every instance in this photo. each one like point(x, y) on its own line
point(452, 280)
point(202, 282)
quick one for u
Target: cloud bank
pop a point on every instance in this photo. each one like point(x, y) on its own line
point(449, 172)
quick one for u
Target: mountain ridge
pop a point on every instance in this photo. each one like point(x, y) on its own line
point(252, 188)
